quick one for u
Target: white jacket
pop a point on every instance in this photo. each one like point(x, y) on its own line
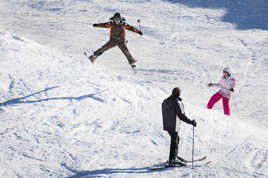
point(225, 84)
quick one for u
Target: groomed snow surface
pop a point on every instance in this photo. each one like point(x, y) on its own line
point(61, 116)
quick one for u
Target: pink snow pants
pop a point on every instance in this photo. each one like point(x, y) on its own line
point(225, 102)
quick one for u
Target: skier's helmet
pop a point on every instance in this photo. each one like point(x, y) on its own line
point(227, 69)
point(176, 92)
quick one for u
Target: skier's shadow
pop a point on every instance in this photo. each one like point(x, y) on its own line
point(22, 100)
point(109, 171)
point(163, 71)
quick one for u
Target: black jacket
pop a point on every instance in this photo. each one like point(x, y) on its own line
point(172, 107)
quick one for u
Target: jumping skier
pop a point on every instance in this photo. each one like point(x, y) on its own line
point(226, 85)
point(118, 29)
point(172, 107)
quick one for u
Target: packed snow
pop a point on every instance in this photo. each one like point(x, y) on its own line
point(61, 116)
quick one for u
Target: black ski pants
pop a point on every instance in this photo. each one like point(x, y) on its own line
point(121, 45)
point(175, 139)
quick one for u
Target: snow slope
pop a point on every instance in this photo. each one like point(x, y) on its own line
point(64, 117)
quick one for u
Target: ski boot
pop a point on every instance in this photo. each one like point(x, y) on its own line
point(174, 163)
point(133, 64)
point(133, 67)
point(92, 58)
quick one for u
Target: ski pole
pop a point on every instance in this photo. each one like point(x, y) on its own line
point(235, 102)
point(139, 23)
point(193, 150)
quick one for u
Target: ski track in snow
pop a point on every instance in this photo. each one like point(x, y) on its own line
point(62, 116)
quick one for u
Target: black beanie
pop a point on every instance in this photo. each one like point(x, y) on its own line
point(176, 92)
point(117, 15)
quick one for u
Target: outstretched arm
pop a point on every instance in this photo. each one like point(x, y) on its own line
point(103, 25)
point(182, 116)
point(219, 85)
point(133, 29)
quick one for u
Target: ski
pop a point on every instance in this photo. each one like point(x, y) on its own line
point(86, 54)
point(189, 161)
point(182, 164)
point(166, 165)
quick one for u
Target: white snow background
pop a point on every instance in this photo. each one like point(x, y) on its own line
point(61, 116)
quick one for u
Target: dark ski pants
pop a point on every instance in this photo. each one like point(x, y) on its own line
point(121, 45)
point(175, 139)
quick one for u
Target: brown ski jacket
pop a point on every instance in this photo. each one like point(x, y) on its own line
point(118, 32)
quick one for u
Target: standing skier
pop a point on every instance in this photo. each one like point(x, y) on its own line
point(117, 37)
point(172, 107)
point(226, 85)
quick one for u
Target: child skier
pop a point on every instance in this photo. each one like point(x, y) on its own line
point(226, 85)
point(117, 37)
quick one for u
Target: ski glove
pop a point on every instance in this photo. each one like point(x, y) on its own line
point(210, 84)
point(194, 123)
point(231, 89)
point(94, 25)
point(140, 32)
